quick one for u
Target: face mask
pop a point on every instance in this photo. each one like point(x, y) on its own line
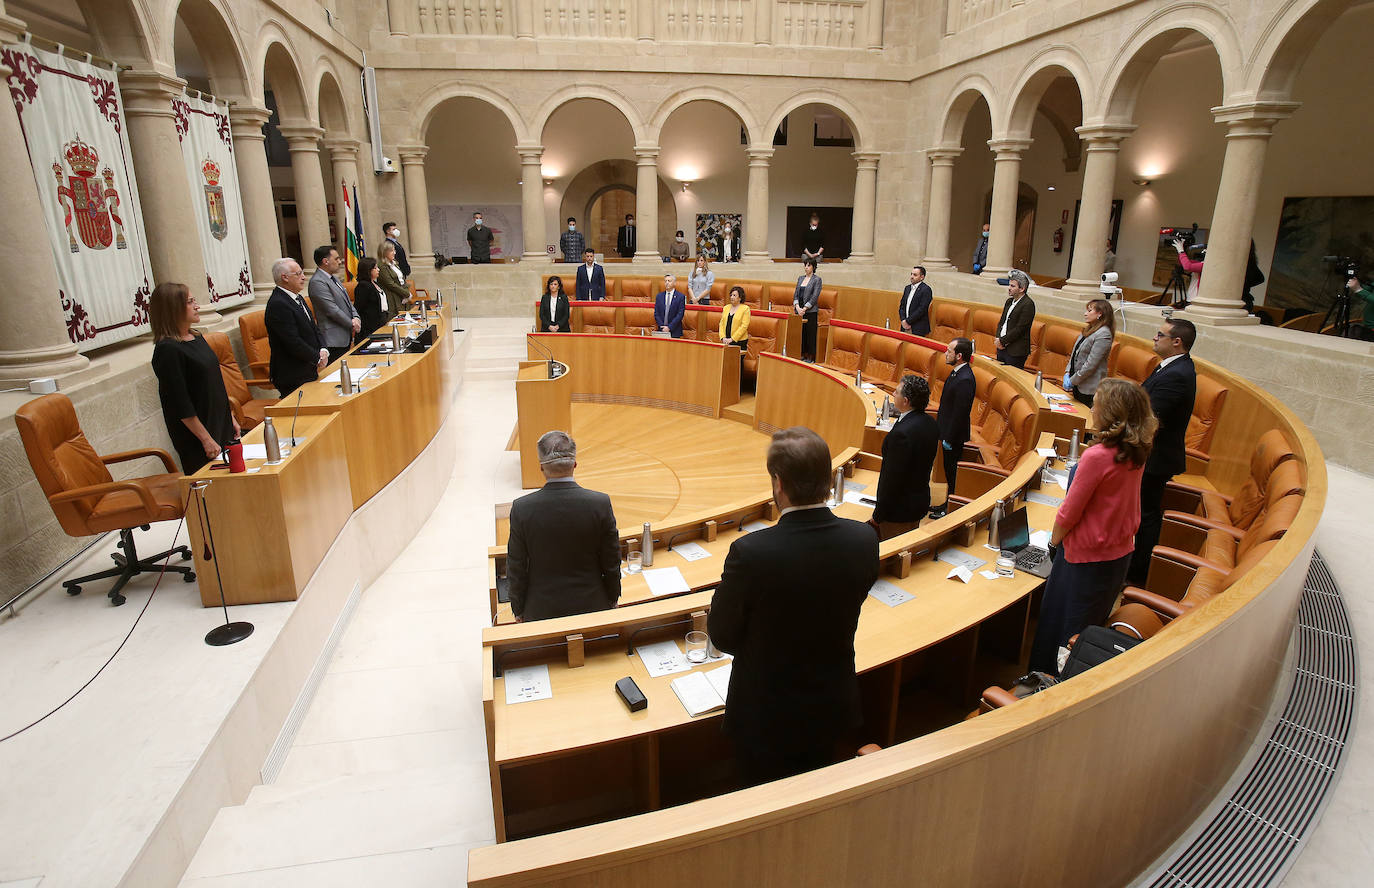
point(813, 226)
point(985, 234)
point(478, 223)
point(680, 238)
point(572, 227)
point(727, 230)
point(395, 233)
point(630, 222)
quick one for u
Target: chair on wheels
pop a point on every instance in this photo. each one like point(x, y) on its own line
point(85, 497)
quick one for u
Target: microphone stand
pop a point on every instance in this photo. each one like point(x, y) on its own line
point(300, 393)
point(229, 633)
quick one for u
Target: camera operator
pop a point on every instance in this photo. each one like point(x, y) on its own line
point(1365, 292)
point(1193, 267)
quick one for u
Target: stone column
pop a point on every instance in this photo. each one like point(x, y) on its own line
point(1101, 144)
point(875, 24)
point(756, 205)
point(646, 204)
point(865, 201)
point(255, 192)
point(398, 17)
point(532, 202)
point(524, 26)
point(645, 14)
point(421, 250)
point(763, 24)
point(343, 156)
point(1006, 184)
point(169, 213)
point(941, 201)
point(312, 215)
point(33, 335)
point(1248, 128)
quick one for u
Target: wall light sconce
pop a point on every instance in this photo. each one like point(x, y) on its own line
point(1049, 188)
point(548, 182)
point(1140, 182)
point(685, 185)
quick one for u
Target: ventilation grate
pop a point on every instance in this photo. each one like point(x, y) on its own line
point(1255, 836)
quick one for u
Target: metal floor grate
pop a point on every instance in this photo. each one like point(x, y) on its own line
point(1254, 837)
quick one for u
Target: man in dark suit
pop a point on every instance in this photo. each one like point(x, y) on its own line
point(555, 314)
point(1014, 327)
point(393, 234)
point(787, 607)
point(625, 240)
point(480, 238)
point(1172, 388)
point(952, 419)
point(915, 305)
point(591, 279)
point(335, 315)
point(563, 555)
point(298, 353)
point(669, 308)
point(727, 244)
point(908, 455)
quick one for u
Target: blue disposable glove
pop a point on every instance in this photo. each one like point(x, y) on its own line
point(1066, 380)
point(946, 445)
point(977, 269)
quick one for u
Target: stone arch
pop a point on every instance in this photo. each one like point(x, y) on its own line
point(1046, 66)
point(429, 103)
point(590, 91)
point(1285, 43)
point(278, 65)
point(716, 96)
point(596, 179)
point(121, 30)
point(857, 122)
point(334, 111)
point(1151, 39)
point(962, 98)
point(216, 40)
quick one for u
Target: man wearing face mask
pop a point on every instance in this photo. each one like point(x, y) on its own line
point(625, 240)
point(727, 244)
point(679, 251)
point(813, 241)
point(572, 243)
point(479, 241)
point(980, 252)
point(393, 234)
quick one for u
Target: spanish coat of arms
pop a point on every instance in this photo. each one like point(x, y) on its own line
point(92, 200)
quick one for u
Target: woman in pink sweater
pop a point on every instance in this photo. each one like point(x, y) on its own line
point(1096, 524)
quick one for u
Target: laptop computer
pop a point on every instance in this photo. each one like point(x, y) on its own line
point(1015, 533)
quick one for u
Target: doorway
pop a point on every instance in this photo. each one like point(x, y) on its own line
point(607, 214)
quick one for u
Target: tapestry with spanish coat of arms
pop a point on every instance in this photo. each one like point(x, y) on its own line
point(73, 123)
point(208, 152)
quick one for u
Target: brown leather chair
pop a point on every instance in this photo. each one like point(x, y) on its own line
point(763, 337)
point(253, 331)
point(85, 497)
point(825, 304)
point(1037, 343)
point(984, 330)
point(692, 321)
point(754, 296)
point(984, 382)
point(1134, 363)
point(846, 349)
point(1207, 407)
point(1056, 347)
point(884, 357)
point(248, 410)
point(349, 287)
point(422, 293)
point(947, 321)
point(639, 320)
point(637, 290)
point(1238, 510)
point(598, 319)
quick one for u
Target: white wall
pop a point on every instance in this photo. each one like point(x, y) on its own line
point(803, 175)
point(701, 140)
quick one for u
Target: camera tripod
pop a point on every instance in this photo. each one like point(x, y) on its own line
point(1338, 314)
point(1176, 289)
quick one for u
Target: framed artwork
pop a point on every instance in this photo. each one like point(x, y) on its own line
point(709, 227)
point(1311, 228)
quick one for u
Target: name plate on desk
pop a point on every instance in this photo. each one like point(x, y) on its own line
point(956, 558)
point(889, 594)
point(526, 683)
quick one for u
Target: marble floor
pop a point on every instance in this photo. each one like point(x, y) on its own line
point(386, 782)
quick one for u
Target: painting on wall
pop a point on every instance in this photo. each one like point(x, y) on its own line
point(709, 227)
point(1310, 229)
point(449, 224)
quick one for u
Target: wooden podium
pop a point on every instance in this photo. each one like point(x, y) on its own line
point(542, 405)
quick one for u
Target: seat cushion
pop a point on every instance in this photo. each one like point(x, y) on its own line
point(846, 348)
point(636, 289)
point(1207, 407)
point(984, 326)
point(884, 353)
point(124, 508)
point(947, 321)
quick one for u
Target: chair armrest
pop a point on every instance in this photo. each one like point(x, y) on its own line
point(1197, 454)
point(1196, 562)
point(997, 697)
point(1203, 523)
point(1182, 497)
point(144, 494)
point(126, 455)
point(261, 382)
point(1165, 607)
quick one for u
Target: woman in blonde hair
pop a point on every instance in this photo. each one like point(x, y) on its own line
point(1095, 527)
point(1088, 360)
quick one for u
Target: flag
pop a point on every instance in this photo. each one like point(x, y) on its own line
point(352, 241)
point(358, 224)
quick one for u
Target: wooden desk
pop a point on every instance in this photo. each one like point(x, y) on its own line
point(272, 527)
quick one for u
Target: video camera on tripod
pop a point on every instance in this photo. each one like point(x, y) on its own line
point(1344, 267)
point(1338, 314)
point(1167, 236)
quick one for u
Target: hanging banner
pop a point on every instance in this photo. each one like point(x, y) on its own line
point(208, 152)
point(73, 125)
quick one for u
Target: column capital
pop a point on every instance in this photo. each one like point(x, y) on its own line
point(246, 121)
point(530, 153)
point(303, 137)
point(149, 93)
point(1104, 136)
point(412, 154)
point(760, 156)
point(343, 149)
point(944, 155)
point(647, 155)
point(867, 160)
point(1253, 119)
point(1008, 148)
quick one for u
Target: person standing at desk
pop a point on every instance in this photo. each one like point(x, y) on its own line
point(563, 555)
point(734, 322)
point(555, 314)
point(908, 456)
point(334, 312)
point(787, 607)
point(591, 278)
point(956, 407)
point(669, 308)
point(392, 279)
point(626, 240)
point(298, 352)
point(805, 303)
point(195, 405)
point(1014, 327)
point(373, 308)
point(914, 309)
point(699, 282)
point(1088, 360)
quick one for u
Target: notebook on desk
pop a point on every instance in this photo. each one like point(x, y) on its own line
point(1014, 531)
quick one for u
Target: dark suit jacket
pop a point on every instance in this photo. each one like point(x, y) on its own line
point(1017, 342)
point(956, 403)
point(734, 247)
point(1172, 390)
point(670, 314)
point(917, 313)
point(294, 340)
point(374, 309)
point(563, 317)
point(563, 555)
point(401, 259)
point(787, 607)
point(626, 240)
point(591, 289)
point(908, 456)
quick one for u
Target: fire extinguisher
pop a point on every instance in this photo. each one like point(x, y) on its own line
point(1059, 240)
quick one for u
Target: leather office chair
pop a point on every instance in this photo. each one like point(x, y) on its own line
point(846, 349)
point(947, 321)
point(639, 321)
point(248, 410)
point(416, 294)
point(1207, 407)
point(984, 330)
point(1056, 348)
point(637, 289)
point(1238, 510)
point(884, 356)
point(1134, 363)
point(598, 319)
point(85, 497)
point(253, 331)
point(1037, 344)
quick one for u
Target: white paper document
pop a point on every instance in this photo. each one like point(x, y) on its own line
point(691, 551)
point(989, 574)
point(889, 594)
point(960, 573)
point(1049, 452)
point(526, 683)
point(1044, 499)
point(703, 692)
point(666, 581)
point(259, 451)
point(1055, 396)
point(854, 485)
point(860, 499)
point(1040, 539)
point(662, 658)
point(869, 387)
point(756, 525)
point(956, 558)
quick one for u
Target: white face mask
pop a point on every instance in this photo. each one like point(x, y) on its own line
point(572, 227)
point(727, 229)
point(477, 222)
point(395, 233)
point(680, 238)
point(813, 226)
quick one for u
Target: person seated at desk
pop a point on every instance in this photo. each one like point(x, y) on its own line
point(195, 405)
point(787, 607)
point(669, 308)
point(908, 456)
point(563, 555)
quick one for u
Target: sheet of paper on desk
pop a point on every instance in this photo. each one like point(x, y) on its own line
point(854, 485)
point(666, 581)
point(1040, 539)
point(989, 574)
point(691, 551)
point(259, 451)
point(1055, 396)
point(956, 558)
point(696, 694)
point(889, 594)
point(960, 573)
point(1044, 499)
point(1049, 452)
point(1061, 407)
point(720, 679)
point(756, 525)
point(860, 499)
point(662, 658)
point(526, 683)
point(869, 387)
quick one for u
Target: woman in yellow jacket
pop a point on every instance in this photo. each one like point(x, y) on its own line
point(734, 321)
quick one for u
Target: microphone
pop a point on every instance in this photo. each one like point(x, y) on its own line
point(546, 350)
point(299, 394)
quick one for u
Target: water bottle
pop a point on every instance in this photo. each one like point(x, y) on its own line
point(271, 442)
point(887, 323)
point(858, 377)
point(345, 379)
point(395, 338)
point(1073, 449)
point(646, 546)
point(995, 525)
point(837, 490)
point(1039, 381)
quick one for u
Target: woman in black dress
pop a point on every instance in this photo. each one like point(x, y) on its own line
point(195, 405)
point(371, 303)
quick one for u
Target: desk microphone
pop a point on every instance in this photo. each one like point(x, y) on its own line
point(299, 394)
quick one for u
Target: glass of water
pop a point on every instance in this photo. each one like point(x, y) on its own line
point(696, 647)
point(634, 562)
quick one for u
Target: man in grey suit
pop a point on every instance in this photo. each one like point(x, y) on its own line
point(563, 555)
point(334, 311)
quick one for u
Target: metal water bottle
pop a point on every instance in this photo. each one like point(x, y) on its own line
point(837, 489)
point(858, 377)
point(995, 524)
point(1073, 447)
point(1039, 381)
point(395, 338)
point(646, 546)
point(887, 323)
point(345, 379)
point(270, 442)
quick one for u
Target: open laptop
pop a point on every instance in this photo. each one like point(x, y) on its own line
point(1015, 533)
